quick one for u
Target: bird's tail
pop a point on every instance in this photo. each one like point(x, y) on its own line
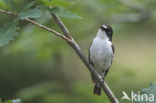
point(97, 89)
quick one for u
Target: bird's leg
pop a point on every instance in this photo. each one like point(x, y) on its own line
point(102, 80)
point(103, 76)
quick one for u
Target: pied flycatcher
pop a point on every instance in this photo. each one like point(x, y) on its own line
point(101, 54)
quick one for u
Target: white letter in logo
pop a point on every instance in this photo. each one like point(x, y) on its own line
point(125, 96)
point(151, 97)
point(134, 96)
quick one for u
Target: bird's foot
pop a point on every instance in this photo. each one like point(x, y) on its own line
point(102, 79)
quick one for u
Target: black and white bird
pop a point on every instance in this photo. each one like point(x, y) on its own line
point(101, 54)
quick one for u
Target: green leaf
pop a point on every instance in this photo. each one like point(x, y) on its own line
point(2, 4)
point(31, 13)
point(8, 4)
point(11, 4)
point(149, 91)
point(55, 2)
point(29, 5)
point(8, 32)
point(63, 13)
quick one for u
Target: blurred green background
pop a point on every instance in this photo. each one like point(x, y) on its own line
point(39, 67)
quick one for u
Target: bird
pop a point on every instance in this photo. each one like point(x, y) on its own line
point(101, 54)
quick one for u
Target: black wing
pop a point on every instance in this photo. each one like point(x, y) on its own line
point(113, 49)
point(89, 54)
point(93, 78)
point(111, 61)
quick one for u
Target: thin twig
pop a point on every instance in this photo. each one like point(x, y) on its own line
point(8, 12)
point(46, 28)
point(77, 49)
point(37, 24)
point(62, 26)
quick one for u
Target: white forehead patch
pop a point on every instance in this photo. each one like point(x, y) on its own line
point(104, 26)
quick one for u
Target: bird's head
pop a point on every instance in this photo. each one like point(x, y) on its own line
point(106, 31)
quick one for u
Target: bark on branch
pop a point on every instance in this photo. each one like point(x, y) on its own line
point(37, 24)
point(77, 49)
point(68, 37)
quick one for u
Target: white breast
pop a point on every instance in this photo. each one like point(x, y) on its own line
point(101, 54)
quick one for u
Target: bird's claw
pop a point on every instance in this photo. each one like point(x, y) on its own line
point(102, 80)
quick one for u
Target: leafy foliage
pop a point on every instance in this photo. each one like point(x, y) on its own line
point(31, 13)
point(29, 5)
point(31, 10)
point(8, 32)
point(41, 43)
point(11, 4)
point(8, 4)
point(2, 4)
point(63, 13)
point(54, 3)
point(38, 43)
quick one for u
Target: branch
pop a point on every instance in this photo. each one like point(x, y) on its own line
point(77, 49)
point(144, 12)
point(46, 28)
point(37, 24)
point(62, 26)
point(8, 12)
